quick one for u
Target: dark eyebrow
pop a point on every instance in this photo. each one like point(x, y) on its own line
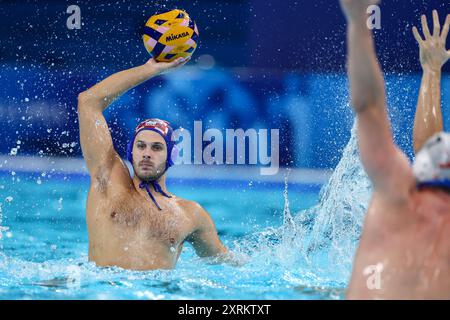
point(152, 143)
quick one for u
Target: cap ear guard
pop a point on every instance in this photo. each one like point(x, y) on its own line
point(174, 154)
point(170, 145)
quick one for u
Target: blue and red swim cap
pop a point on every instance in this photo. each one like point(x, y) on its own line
point(432, 164)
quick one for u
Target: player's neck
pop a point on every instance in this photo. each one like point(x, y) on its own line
point(161, 182)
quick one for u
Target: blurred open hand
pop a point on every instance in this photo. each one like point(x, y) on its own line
point(356, 9)
point(433, 54)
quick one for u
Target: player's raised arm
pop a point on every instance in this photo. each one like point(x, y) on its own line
point(383, 161)
point(433, 55)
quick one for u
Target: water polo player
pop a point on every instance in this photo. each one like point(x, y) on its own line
point(134, 222)
point(404, 251)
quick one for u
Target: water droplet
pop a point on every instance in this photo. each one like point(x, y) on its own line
point(59, 208)
point(13, 152)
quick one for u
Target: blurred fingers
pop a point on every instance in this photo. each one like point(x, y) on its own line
point(417, 36)
point(425, 29)
point(436, 24)
point(445, 28)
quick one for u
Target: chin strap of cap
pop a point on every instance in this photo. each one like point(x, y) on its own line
point(157, 188)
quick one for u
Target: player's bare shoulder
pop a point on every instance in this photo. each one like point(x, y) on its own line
point(192, 210)
point(189, 207)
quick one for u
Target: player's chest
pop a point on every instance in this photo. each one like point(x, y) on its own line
point(135, 216)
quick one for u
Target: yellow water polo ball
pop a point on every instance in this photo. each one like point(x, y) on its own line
point(170, 35)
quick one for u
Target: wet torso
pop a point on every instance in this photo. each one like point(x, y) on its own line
point(409, 243)
point(127, 230)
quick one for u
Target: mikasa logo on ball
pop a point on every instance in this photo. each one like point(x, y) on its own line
point(176, 36)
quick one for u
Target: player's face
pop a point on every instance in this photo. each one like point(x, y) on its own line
point(149, 155)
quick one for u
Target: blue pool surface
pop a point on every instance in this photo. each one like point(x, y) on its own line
point(44, 252)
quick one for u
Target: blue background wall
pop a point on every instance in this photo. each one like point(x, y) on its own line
point(275, 64)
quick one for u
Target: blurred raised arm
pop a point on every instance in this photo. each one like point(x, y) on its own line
point(433, 55)
point(386, 165)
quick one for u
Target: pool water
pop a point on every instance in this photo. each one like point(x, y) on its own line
point(44, 252)
point(287, 252)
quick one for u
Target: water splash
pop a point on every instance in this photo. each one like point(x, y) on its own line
point(2, 229)
point(289, 226)
point(335, 223)
point(319, 243)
